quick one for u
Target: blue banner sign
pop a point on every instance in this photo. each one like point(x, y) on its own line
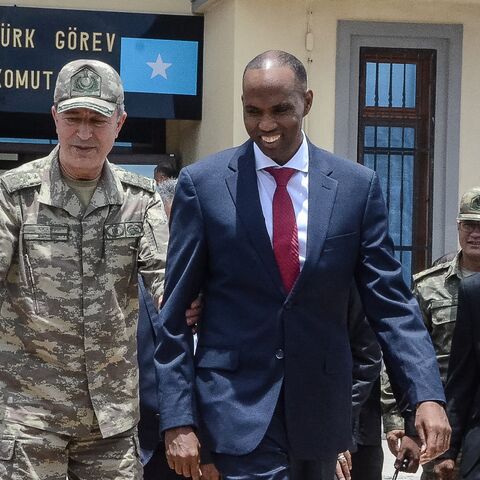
point(159, 57)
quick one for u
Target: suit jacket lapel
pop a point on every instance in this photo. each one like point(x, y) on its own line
point(322, 190)
point(242, 185)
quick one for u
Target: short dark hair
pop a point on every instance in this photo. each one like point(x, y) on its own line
point(280, 59)
point(166, 169)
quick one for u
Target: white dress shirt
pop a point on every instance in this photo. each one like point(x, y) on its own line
point(297, 188)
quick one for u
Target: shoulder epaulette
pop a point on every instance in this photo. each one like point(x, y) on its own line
point(429, 271)
point(135, 179)
point(18, 181)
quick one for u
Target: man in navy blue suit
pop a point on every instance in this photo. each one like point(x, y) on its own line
point(152, 448)
point(270, 382)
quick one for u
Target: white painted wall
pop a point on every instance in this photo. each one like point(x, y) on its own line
point(281, 24)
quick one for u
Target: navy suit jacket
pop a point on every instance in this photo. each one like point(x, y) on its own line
point(148, 426)
point(367, 362)
point(463, 381)
point(253, 337)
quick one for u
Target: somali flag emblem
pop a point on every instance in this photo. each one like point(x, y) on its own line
point(150, 65)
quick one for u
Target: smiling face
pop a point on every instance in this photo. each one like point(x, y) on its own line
point(469, 239)
point(274, 104)
point(85, 137)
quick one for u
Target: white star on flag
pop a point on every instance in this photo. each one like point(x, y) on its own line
point(159, 67)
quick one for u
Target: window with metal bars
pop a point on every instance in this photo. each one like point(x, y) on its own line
point(395, 138)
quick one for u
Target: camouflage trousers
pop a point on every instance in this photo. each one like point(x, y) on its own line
point(27, 453)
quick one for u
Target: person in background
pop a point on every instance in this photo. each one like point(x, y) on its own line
point(165, 171)
point(365, 462)
point(367, 361)
point(270, 382)
point(166, 189)
point(152, 448)
point(436, 290)
point(463, 384)
point(75, 231)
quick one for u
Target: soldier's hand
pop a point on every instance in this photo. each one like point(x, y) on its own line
point(393, 440)
point(433, 429)
point(408, 457)
point(182, 451)
point(445, 470)
point(209, 472)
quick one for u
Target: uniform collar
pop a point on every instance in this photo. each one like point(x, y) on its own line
point(454, 269)
point(55, 191)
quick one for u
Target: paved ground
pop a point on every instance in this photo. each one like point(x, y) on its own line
point(388, 469)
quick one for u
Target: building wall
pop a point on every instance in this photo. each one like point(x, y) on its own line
point(178, 7)
point(237, 30)
point(282, 24)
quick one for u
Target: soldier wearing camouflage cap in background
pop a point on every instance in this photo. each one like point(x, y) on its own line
point(74, 231)
point(436, 290)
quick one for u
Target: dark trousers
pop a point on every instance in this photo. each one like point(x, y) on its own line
point(157, 468)
point(367, 463)
point(271, 460)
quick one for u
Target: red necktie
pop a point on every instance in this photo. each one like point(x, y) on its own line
point(285, 233)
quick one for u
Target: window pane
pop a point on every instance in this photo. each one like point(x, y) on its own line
point(407, 267)
point(410, 85)
point(369, 137)
point(396, 137)
point(370, 84)
point(398, 70)
point(383, 84)
point(382, 171)
point(407, 213)
point(369, 161)
point(382, 136)
point(409, 138)
point(395, 199)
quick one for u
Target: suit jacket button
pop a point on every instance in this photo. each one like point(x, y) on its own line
point(279, 354)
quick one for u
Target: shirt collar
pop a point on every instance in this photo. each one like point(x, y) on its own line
point(298, 162)
point(455, 269)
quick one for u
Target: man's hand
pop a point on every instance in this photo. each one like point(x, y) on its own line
point(393, 440)
point(433, 429)
point(209, 472)
point(445, 469)
point(192, 315)
point(344, 465)
point(182, 451)
point(408, 456)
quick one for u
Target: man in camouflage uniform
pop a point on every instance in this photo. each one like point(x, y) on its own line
point(74, 232)
point(436, 290)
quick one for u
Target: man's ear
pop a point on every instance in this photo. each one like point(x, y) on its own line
point(308, 100)
point(120, 122)
point(54, 113)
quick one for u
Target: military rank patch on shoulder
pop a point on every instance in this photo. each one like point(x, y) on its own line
point(17, 181)
point(136, 180)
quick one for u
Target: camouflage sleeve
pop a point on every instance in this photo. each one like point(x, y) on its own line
point(152, 250)
point(424, 308)
point(392, 418)
point(10, 222)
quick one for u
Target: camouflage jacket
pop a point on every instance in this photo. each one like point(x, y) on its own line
point(68, 296)
point(436, 290)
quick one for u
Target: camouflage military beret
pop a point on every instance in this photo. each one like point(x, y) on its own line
point(470, 205)
point(88, 84)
